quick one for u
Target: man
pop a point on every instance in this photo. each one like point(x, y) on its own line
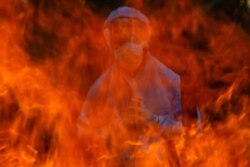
point(137, 90)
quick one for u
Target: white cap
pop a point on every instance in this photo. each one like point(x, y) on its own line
point(126, 12)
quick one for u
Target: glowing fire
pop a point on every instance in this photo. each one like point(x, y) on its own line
point(51, 52)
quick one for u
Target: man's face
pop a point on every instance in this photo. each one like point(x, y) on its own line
point(128, 30)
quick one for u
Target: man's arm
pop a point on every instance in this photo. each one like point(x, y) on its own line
point(172, 122)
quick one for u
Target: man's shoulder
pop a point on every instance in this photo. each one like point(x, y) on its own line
point(166, 72)
point(101, 84)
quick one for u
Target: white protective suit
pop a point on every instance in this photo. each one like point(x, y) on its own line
point(156, 85)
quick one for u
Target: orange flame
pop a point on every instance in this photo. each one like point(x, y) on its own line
point(51, 52)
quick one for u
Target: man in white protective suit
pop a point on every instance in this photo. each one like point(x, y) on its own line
point(136, 93)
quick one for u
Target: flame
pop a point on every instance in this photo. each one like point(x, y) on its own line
point(53, 51)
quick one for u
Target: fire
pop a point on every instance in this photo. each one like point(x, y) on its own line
point(52, 52)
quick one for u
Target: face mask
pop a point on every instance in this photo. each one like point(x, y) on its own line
point(129, 56)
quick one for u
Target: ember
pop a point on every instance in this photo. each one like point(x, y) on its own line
point(53, 51)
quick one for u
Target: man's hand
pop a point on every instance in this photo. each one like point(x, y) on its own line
point(137, 115)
